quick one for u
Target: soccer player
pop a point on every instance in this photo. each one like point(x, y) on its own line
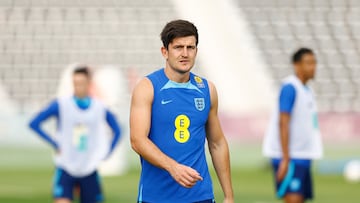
point(293, 138)
point(80, 142)
point(173, 112)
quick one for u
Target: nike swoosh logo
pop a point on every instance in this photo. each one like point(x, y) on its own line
point(165, 101)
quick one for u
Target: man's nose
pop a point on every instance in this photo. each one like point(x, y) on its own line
point(184, 52)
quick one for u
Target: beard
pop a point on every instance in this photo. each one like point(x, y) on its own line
point(179, 70)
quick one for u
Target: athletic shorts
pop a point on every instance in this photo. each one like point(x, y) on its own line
point(204, 201)
point(297, 180)
point(64, 185)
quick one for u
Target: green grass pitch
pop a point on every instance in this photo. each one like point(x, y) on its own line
point(19, 185)
point(26, 177)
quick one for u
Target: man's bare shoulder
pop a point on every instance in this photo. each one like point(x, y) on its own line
point(213, 92)
point(143, 90)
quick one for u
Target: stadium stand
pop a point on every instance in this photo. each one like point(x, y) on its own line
point(330, 27)
point(39, 38)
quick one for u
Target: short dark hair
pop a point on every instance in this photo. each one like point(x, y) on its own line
point(82, 70)
point(300, 53)
point(178, 28)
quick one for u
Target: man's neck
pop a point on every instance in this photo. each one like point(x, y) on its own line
point(177, 76)
point(81, 97)
point(301, 78)
point(82, 102)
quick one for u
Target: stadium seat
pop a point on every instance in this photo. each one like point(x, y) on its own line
point(336, 16)
point(49, 34)
point(36, 15)
point(296, 16)
point(282, 30)
point(301, 30)
point(354, 3)
point(285, 4)
point(321, 30)
point(17, 15)
point(324, 4)
point(317, 17)
point(352, 16)
point(355, 31)
point(330, 27)
point(326, 43)
point(257, 16)
point(346, 45)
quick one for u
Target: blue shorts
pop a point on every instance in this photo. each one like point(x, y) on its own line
point(204, 201)
point(64, 185)
point(297, 180)
point(207, 201)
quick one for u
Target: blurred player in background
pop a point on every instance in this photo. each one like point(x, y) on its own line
point(172, 113)
point(80, 142)
point(293, 138)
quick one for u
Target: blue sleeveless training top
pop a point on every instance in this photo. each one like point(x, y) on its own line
point(179, 115)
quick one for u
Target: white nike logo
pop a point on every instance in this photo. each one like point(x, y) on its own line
point(165, 101)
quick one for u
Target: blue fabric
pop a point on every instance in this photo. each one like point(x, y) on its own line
point(287, 180)
point(53, 111)
point(204, 201)
point(49, 111)
point(297, 180)
point(287, 98)
point(112, 122)
point(179, 115)
point(90, 186)
point(188, 85)
point(82, 103)
point(302, 162)
point(58, 190)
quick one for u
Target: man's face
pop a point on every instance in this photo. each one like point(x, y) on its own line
point(307, 66)
point(81, 85)
point(181, 53)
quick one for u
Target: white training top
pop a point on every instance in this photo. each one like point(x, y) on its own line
point(304, 136)
point(81, 137)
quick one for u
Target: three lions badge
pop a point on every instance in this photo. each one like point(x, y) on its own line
point(199, 103)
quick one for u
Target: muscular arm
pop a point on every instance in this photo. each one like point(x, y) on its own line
point(284, 141)
point(284, 134)
point(140, 122)
point(35, 123)
point(218, 147)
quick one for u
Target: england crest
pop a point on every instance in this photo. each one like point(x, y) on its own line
point(199, 103)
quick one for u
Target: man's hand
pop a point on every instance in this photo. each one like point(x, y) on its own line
point(282, 170)
point(57, 151)
point(184, 175)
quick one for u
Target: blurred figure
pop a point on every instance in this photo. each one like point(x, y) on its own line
point(172, 113)
point(293, 138)
point(80, 142)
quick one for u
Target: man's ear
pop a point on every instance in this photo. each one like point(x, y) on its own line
point(297, 67)
point(164, 52)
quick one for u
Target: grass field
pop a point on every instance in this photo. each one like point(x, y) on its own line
point(29, 181)
point(251, 186)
